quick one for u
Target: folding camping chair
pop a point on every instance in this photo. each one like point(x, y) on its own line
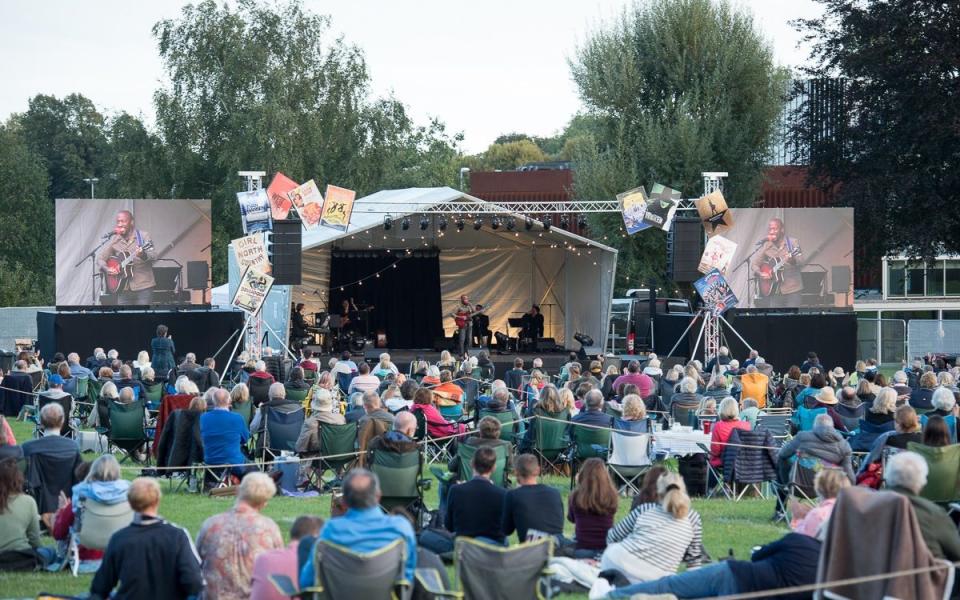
point(586, 442)
point(66, 403)
point(629, 459)
point(551, 444)
point(943, 480)
point(401, 481)
point(281, 431)
point(720, 484)
point(777, 422)
point(466, 452)
point(487, 572)
point(342, 573)
point(510, 425)
point(127, 431)
point(749, 462)
point(97, 523)
point(297, 395)
point(437, 450)
point(338, 443)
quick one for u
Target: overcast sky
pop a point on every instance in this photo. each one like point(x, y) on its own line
point(485, 68)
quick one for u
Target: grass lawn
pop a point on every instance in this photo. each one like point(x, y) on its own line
point(727, 525)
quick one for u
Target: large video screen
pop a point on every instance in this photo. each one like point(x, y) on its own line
point(792, 257)
point(132, 252)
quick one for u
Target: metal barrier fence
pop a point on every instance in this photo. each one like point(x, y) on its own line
point(883, 339)
point(930, 335)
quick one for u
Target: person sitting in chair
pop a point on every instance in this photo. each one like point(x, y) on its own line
point(532, 505)
point(475, 508)
point(399, 439)
point(56, 456)
point(376, 421)
point(364, 527)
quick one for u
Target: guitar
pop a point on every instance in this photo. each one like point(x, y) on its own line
point(462, 318)
point(122, 263)
point(771, 273)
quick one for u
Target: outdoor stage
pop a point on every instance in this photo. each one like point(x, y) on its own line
point(502, 363)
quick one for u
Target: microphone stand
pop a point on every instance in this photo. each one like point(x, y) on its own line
point(93, 268)
point(756, 248)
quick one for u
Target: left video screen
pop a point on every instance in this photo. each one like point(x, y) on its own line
point(132, 252)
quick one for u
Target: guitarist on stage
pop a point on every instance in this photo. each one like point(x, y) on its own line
point(776, 267)
point(463, 317)
point(128, 241)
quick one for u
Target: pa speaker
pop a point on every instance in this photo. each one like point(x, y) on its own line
point(286, 252)
point(197, 274)
point(687, 237)
point(840, 279)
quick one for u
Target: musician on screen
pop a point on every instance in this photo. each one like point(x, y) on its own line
point(776, 267)
point(125, 262)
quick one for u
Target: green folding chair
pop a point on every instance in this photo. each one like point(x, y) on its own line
point(587, 442)
point(342, 573)
point(337, 445)
point(297, 395)
point(466, 452)
point(127, 430)
point(401, 479)
point(510, 425)
point(551, 442)
point(943, 480)
point(245, 410)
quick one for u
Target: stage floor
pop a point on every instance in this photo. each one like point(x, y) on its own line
point(502, 362)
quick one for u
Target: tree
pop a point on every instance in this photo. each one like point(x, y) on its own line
point(510, 155)
point(268, 87)
point(677, 87)
point(894, 147)
point(26, 220)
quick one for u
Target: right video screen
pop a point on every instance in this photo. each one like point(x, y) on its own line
point(792, 257)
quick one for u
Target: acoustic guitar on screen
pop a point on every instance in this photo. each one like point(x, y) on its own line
point(120, 269)
point(771, 273)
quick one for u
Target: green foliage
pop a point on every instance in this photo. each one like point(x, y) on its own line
point(510, 155)
point(269, 87)
point(26, 220)
point(895, 145)
point(676, 87)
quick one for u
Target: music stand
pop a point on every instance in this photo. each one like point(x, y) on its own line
point(516, 323)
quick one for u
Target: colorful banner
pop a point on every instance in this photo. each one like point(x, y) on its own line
point(633, 205)
point(308, 202)
point(252, 291)
point(717, 296)
point(717, 219)
point(717, 255)
point(254, 211)
point(661, 206)
point(251, 251)
point(280, 203)
point(337, 207)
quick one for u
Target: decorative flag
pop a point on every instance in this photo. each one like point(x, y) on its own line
point(714, 214)
point(277, 191)
point(337, 207)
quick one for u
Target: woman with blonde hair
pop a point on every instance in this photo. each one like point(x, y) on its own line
point(532, 391)
point(239, 394)
point(550, 404)
point(634, 415)
point(569, 401)
point(143, 360)
point(809, 520)
point(922, 397)
point(385, 367)
point(883, 408)
point(446, 361)
point(655, 538)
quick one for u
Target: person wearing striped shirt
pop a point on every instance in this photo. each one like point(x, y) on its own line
point(655, 538)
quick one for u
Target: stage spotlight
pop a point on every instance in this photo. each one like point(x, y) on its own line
point(495, 224)
point(477, 224)
point(387, 223)
point(585, 340)
point(511, 224)
point(460, 224)
point(564, 222)
point(503, 342)
point(424, 223)
point(546, 221)
point(528, 223)
point(442, 223)
point(405, 223)
point(582, 221)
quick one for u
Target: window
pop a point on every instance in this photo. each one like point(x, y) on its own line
point(935, 278)
point(895, 277)
point(914, 279)
point(952, 271)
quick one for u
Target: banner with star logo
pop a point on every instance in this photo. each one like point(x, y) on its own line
point(717, 219)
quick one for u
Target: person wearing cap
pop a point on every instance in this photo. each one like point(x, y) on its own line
point(321, 412)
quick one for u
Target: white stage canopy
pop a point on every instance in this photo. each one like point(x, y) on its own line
point(569, 276)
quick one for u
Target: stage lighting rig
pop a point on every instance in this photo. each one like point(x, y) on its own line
point(477, 224)
point(546, 222)
point(442, 223)
point(582, 221)
point(387, 223)
point(564, 222)
point(528, 223)
point(495, 223)
point(405, 223)
point(460, 224)
point(424, 223)
point(511, 224)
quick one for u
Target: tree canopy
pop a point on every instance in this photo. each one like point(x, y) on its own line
point(676, 87)
point(894, 144)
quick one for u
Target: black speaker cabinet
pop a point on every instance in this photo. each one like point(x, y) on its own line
point(687, 250)
point(840, 279)
point(198, 273)
point(286, 252)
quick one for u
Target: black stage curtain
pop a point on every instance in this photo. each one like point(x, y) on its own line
point(406, 298)
point(202, 332)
